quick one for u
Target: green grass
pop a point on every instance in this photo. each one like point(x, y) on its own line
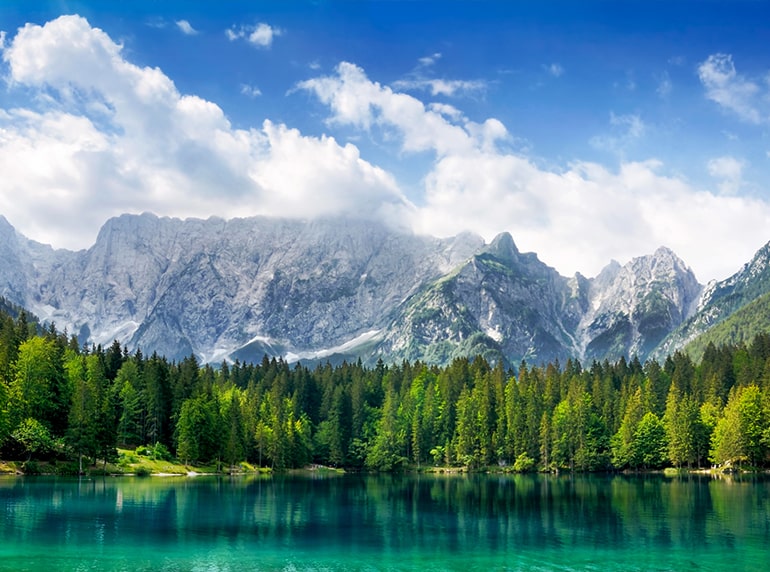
point(9, 468)
point(129, 462)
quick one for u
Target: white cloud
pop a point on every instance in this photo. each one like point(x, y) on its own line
point(114, 137)
point(726, 167)
point(625, 129)
point(579, 219)
point(444, 87)
point(362, 103)
point(556, 70)
point(449, 111)
point(118, 138)
point(250, 90)
point(429, 60)
point(729, 89)
point(316, 176)
point(576, 219)
point(261, 35)
point(729, 171)
point(419, 80)
point(2, 39)
point(186, 27)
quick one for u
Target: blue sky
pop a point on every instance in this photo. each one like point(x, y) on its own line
point(588, 130)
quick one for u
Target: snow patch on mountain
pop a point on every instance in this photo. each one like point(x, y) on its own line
point(347, 347)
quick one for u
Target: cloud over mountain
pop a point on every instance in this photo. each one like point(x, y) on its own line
point(107, 136)
point(97, 134)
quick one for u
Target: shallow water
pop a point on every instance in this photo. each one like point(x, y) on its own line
point(298, 523)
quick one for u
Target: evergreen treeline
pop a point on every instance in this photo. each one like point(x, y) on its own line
point(58, 399)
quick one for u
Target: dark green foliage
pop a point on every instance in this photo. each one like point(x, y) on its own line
point(58, 399)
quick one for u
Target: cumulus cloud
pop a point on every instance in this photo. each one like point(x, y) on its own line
point(728, 171)
point(317, 176)
point(114, 137)
point(449, 111)
point(357, 101)
point(577, 218)
point(581, 218)
point(186, 27)
point(725, 86)
point(106, 136)
point(261, 35)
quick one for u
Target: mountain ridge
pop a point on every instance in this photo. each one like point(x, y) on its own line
point(242, 288)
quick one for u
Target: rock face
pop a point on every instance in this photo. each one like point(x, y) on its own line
point(305, 290)
point(633, 308)
point(500, 303)
point(215, 287)
point(509, 305)
point(722, 299)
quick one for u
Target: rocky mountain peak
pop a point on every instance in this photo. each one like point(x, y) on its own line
point(635, 306)
point(309, 289)
point(503, 248)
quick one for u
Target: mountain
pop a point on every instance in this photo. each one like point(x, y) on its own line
point(499, 303)
point(633, 308)
point(342, 288)
point(741, 326)
point(505, 304)
point(721, 300)
point(215, 287)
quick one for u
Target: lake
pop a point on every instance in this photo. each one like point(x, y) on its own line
point(329, 523)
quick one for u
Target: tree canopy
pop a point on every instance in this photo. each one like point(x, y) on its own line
point(57, 398)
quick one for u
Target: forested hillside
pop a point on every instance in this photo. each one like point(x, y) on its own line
point(741, 327)
point(58, 400)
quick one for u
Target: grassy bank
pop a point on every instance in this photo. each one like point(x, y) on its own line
point(143, 461)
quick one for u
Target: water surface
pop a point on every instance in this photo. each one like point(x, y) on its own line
point(297, 523)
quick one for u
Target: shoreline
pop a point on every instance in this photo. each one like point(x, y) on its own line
point(171, 469)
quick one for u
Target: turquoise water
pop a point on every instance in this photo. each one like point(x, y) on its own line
point(463, 523)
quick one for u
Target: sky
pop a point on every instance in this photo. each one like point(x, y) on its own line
point(590, 131)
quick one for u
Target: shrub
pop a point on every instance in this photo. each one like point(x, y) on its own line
point(523, 464)
point(30, 468)
point(160, 452)
point(127, 458)
point(67, 469)
point(156, 452)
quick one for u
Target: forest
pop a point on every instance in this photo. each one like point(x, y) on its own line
point(59, 400)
